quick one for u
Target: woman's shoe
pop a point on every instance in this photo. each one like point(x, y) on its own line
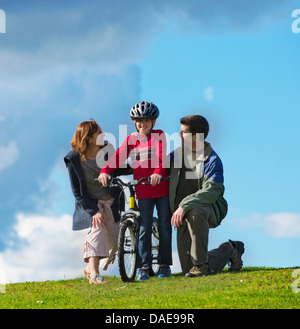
point(97, 279)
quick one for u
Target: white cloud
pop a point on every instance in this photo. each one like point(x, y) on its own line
point(208, 94)
point(279, 225)
point(283, 225)
point(43, 248)
point(8, 155)
point(113, 34)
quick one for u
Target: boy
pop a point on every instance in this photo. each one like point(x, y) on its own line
point(147, 149)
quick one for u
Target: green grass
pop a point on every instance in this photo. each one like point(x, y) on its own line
point(254, 288)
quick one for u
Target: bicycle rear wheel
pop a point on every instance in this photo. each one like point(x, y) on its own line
point(155, 248)
point(127, 251)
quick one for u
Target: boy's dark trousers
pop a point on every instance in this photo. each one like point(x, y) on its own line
point(146, 207)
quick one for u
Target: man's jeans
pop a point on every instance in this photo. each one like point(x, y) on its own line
point(146, 207)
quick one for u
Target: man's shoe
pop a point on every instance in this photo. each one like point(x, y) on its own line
point(164, 272)
point(143, 273)
point(198, 270)
point(236, 262)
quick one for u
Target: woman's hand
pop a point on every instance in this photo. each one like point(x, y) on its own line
point(103, 179)
point(99, 219)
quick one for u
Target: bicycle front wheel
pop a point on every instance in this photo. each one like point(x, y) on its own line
point(127, 251)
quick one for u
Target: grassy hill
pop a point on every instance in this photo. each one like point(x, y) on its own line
point(254, 288)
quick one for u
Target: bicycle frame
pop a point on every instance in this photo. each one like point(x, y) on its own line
point(132, 215)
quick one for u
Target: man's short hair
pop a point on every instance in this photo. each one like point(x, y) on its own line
point(196, 124)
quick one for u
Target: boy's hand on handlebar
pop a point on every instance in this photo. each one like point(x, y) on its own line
point(99, 219)
point(155, 179)
point(103, 178)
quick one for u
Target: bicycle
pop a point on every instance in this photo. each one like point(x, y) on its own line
point(128, 240)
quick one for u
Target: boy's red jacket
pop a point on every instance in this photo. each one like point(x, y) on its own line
point(148, 155)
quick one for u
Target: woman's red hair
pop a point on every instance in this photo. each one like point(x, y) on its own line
point(80, 140)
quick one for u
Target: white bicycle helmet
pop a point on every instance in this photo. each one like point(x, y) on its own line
point(144, 110)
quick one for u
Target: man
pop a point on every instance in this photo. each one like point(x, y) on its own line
point(197, 202)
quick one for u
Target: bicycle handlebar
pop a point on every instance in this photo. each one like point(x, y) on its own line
point(118, 181)
point(147, 181)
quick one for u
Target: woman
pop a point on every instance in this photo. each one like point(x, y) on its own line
point(95, 206)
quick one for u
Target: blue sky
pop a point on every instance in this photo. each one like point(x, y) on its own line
point(237, 63)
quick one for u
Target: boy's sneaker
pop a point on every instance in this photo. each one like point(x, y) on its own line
point(143, 273)
point(164, 271)
point(236, 262)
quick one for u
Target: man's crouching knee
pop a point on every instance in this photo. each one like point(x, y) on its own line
point(198, 213)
